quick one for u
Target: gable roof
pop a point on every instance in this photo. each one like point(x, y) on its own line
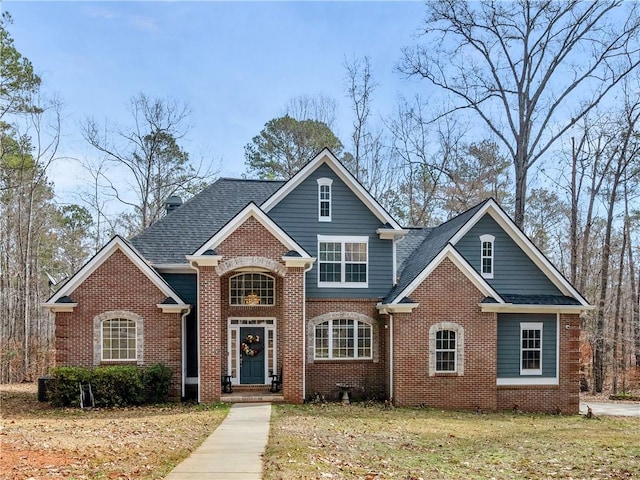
point(528, 247)
point(181, 232)
point(419, 263)
point(116, 243)
point(421, 258)
point(253, 211)
point(327, 157)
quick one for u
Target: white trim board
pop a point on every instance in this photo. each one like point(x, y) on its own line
point(326, 156)
point(252, 210)
point(527, 246)
point(458, 260)
point(116, 243)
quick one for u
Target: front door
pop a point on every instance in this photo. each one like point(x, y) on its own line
point(252, 343)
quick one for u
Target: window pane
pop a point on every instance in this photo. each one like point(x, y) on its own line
point(118, 339)
point(330, 272)
point(322, 340)
point(355, 252)
point(445, 351)
point(252, 289)
point(343, 334)
point(364, 340)
point(356, 273)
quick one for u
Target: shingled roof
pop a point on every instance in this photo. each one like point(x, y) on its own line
point(186, 228)
point(433, 243)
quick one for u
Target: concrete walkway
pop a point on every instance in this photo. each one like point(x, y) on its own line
point(234, 450)
point(622, 409)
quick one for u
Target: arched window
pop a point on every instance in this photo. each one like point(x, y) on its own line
point(486, 255)
point(119, 340)
point(446, 349)
point(252, 289)
point(324, 199)
point(343, 338)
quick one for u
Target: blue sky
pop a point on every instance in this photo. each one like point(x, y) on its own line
point(236, 64)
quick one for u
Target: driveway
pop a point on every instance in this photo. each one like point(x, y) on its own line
point(623, 409)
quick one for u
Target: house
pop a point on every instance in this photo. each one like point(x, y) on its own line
point(314, 279)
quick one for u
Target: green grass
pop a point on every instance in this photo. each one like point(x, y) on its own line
point(368, 442)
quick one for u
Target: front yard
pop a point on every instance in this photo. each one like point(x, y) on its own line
point(43, 443)
point(358, 442)
point(327, 441)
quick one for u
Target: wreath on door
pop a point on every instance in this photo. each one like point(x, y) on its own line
point(246, 345)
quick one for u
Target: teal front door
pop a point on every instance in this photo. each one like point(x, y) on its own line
point(252, 355)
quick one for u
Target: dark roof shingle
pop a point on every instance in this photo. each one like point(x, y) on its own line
point(186, 228)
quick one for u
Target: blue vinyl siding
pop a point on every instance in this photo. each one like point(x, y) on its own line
point(297, 214)
point(185, 285)
point(513, 270)
point(509, 343)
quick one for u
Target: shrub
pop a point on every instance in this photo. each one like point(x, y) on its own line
point(112, 386)
point(117, 386)
point(65, 387)
point(156, 380)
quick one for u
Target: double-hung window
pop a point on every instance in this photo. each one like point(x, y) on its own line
point(445, 351)
point(343, 339)
point(343, 261)
point(531, 348)
point(324, 199)
point(486, 255)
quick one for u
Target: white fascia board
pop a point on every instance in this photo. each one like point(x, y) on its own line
point(298, 262)
point(171, 308)
point(387, 308)
point(527, 246)
point(251, 210)
point(325, 156)
point(526, 308)
point(391, 233)
point(452, 254)
point(59, 307)
point(203, 260)
point(116, 243)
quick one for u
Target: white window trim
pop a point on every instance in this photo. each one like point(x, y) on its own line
point(98, 320)
point(531, 326)
point(270, 361)
point(342, 240)
point(251, 305)
point(455, 327)
point(356, 325)
point(487, 239)
point(325, 182)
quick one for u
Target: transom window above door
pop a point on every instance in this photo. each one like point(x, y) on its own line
point(252, 289)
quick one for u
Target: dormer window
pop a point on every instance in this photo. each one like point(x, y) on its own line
point(486, 255)
point(324, 199)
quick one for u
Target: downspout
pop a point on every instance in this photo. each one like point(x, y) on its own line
point(194, 265)
point(184, 350)
point(304, 330)
point(391, 358)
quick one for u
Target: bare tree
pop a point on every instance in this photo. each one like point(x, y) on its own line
point(529, 70)
point(424, 150)
point(372, 163)
point(148, 152)
point(624, 152)
point(321, 108)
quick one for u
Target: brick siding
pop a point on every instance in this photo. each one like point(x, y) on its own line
point(447, 295)
point(118, 285)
